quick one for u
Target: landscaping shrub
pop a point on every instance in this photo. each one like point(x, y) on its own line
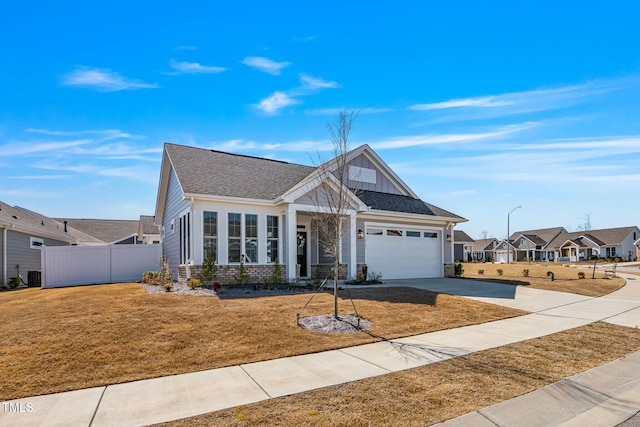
point(458, 270)
point(550, 274)
point(580, 274)
point(150, 278)
point(194, 283)
point(242, 278)
point(14, 282)
point(209, 268)
point(500, 272)
point(525, 273)
point(166, 275)
point(277, 276)
point(480, 272)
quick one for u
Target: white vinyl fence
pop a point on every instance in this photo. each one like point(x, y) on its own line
point(89, 265)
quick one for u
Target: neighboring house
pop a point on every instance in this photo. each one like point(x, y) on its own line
point(462, 246)
point(148, 232)
point(531, 245)
point(483, 249)
point(262, 210)
point(504, 252)
point(107, 231)
point(22, 235)
point(606, 243)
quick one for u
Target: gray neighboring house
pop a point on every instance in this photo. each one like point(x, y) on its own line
point(148, 231)
point(22, 235)
point(532, 245)
point(462, 246)
point(605, 243)
point(261, 210)
point(482, 250)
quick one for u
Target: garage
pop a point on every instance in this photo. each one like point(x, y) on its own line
point(402, 252)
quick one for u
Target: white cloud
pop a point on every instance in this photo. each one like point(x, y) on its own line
point(308, 86)
point(103, 80)
point(452, 138)
point(313, 83)
point(487, 101)
point(194, 68)
point(185, 47)
point(40, 147)
point(532, 100)
point(275, 102)
point(265, 64)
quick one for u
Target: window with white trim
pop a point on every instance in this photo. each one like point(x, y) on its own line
point(36, 243)
point(234, 225)
point(251, 237)
point(272, 238)
point(210, 234)
point(185, 238)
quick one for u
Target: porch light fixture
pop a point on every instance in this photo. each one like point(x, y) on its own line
point(360, 233)
point(448, 237)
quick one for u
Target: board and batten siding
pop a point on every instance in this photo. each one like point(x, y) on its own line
point(174, 206)
point(20, 253)
point(382, 184)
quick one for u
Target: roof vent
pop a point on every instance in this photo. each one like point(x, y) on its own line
point(14, 216)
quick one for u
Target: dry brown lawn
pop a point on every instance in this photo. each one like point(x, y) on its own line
point(566, 278)
point(63, 339)
point(437, 392)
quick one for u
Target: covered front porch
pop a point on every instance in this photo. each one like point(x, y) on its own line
point(307, 255)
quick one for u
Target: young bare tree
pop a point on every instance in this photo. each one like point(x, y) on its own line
point(331, 198)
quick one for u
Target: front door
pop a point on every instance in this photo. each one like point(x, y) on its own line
point(302, 252)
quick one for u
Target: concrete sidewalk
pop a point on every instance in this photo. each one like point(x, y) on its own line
point(179, 396)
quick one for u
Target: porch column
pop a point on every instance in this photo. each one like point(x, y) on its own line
point(353, 237)
point(291, 244)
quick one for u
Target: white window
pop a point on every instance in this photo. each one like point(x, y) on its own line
point(242, 237)
point(272, 238)
point(210, 233)
point(185, 238)
point(235, 236)
point(36, 243)
point(251, 237)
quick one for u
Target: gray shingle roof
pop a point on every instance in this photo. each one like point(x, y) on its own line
point(604, 237)
point(400, 203)
point(106, 230)
point(33, 222)
point(147, 225)
point(203, 171)
point(543, 234)
point(460, 236)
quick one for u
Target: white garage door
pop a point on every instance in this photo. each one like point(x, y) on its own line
point(403, 253)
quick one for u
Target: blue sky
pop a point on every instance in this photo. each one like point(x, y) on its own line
point(478, 106)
